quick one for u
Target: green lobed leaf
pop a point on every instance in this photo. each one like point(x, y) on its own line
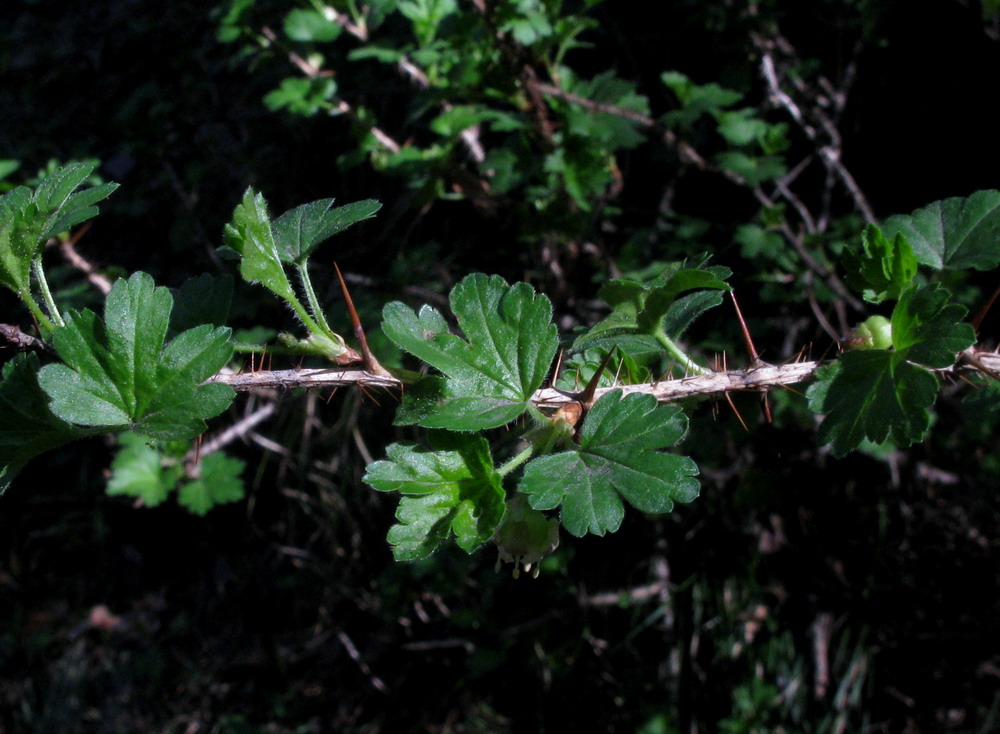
point(138, 471)
point(448, 487)
point(27, 426)
point(492, 373)
point(642, 311)
point(883, 267)
point(881, 394)
point(618, 458)
point(19, 237)
point(953, 233)
point(59, 207)
point(870, 394)
point(29, 218)
point(299, 231)
point(926, 326)
point(119, 374)
point(250, 235)
point(219, 483)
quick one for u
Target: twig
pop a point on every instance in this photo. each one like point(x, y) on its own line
point(19, 340)
point(239, 429)
point(77, 261)
point(352, 651)
point(830, 152)
point(835, 283)
point(753, 379)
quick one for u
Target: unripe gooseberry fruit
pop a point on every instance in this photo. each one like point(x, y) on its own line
point(873, 333)
point(525, 536)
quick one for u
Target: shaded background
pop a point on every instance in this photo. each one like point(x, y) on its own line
point(285, 613)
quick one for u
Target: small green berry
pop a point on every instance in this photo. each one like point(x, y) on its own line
point(874, 333)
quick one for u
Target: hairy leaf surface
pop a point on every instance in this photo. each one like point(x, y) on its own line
point(301, 230)
point(450, 487)
point(640, 312)
point(250, 235)
point(118, 373)
point(509, 345)
point(618, 458)
point(29, 218)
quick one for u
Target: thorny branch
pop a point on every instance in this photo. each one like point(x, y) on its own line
point(755, 379)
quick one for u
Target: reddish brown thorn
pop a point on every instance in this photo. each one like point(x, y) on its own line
point(586, 398)
point(793, 390)
point(367, 358)
point(732, 405)
point(75, 237)
point(766, 405)
point(747, 339)
point(368, 394)
point(968, 382)
point(197, 449)
point(332, 393)
point(976, 322)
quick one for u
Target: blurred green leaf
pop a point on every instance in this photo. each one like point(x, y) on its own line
point(300, 96)
point(752, 169)
point(219, 482)
point(138, 471)
point(308, 25)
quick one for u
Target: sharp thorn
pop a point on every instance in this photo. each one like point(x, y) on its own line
point(367, 358)
point(747, 339)
point(732, 405)
point(586, 398)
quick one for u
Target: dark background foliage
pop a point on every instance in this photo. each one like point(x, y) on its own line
point(285, 613)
